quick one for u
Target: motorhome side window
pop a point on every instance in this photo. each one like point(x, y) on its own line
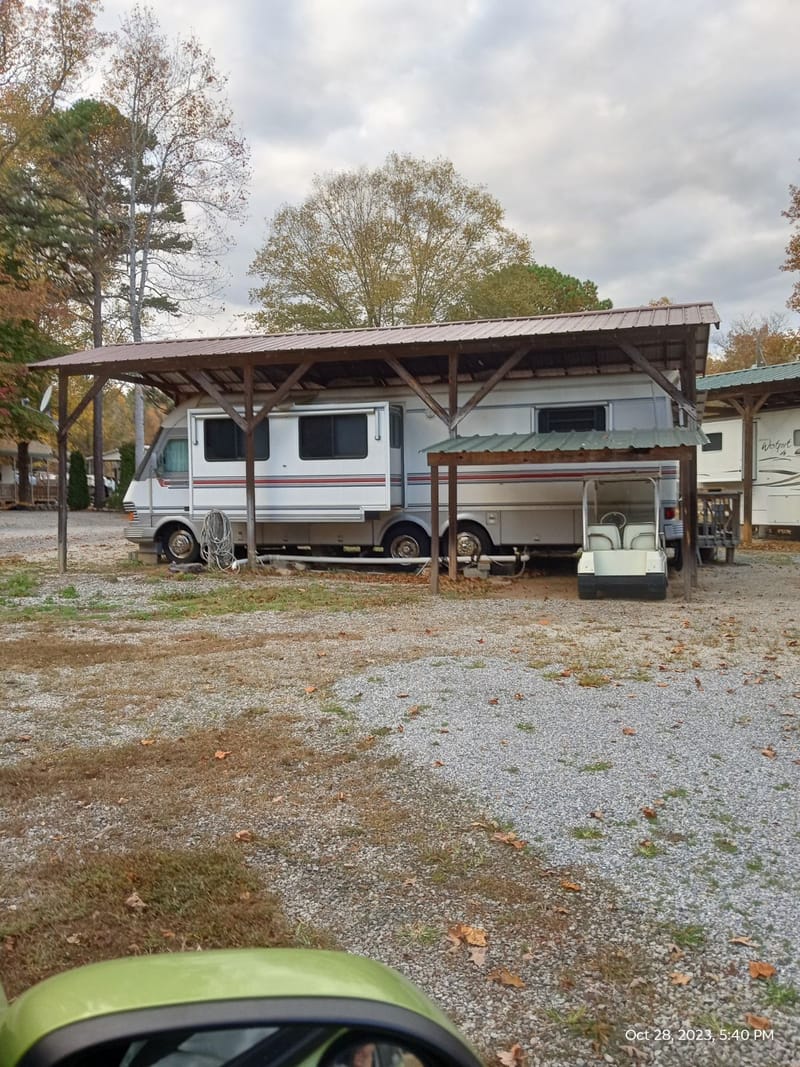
point(714, 442)
point(175, 457)
point(224, 440)
point(564, 419)
point(333, 436)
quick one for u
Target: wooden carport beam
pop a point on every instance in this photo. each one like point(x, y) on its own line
point(489, 384)
point(205, 385)
point(66, 421)
point(419, 389)
point(660, 379)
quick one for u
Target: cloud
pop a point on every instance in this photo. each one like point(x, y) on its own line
point(648, 147)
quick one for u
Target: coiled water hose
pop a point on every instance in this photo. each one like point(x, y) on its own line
point(216, 541)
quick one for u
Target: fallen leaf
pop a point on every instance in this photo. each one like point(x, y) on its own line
point(147, 741)
point(311, 689)
point(663, 685)
point(221, 753)
point(741, 940)
point(629, 731)
point(509, 838)
point(402, 696)
point(697, 682)
point(769, 752)
point(438, 763)
point(543, 622)
point(566, 673)
point(135, 903)
point(469, 935)
point(571, 887)
point(73, 939)
point(761, 970)
point(503, 976)
point(168, 935)
point(494, 700)
point(415, 709)
point(677, 978)
point(409, 882)
point(757, 1022)
point(596, 814)
point(649, 813)
point(519, 696)
point(244, 835)
point(513, 1057)
point(477, 954)
point(676, 953)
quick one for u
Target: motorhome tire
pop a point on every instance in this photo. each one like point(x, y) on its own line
point(472, 540)
point(180, 545)
point(406, 541)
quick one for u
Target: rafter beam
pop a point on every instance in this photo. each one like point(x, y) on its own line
point(660, 379)
point(419, 389)
point(281, 392)
point(206, 385)
point(490, 383)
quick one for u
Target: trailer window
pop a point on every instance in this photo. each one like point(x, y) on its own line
point(224, 440)
point(333, 436)
point(714, 442)
point(564, 419)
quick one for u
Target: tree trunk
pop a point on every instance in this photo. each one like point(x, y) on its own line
point(97, 405)
point(24, 495)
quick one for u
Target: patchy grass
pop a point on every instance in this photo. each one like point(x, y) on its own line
point(586, 833)
point(194, 899)
point(592, 768)
point(780, 995)
point(239, 598)
point(688, 936)
point(18, 584)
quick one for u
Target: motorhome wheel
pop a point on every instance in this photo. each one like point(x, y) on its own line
point(180, 545)
point(472, 541)
point(407, 541)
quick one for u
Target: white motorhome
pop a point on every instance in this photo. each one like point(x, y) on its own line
point(350, 471)
point(776, 466)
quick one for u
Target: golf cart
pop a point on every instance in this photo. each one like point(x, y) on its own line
point(623, 550)
point(229, 1008)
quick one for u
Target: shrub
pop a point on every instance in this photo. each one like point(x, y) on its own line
point(77, 484)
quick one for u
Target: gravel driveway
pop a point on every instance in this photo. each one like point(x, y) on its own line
point(652, 749)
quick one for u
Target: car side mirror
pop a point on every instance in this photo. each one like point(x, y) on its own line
point(235, 1008)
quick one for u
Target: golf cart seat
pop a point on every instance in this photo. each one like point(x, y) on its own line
point(641, 535)
point(603, 537)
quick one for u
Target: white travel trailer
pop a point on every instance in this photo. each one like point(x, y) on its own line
point(351, 472)
point(776, 466)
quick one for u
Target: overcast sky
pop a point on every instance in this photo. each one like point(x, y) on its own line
point(645, 144)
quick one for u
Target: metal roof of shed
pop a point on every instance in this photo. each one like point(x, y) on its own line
point(781, 372)
point(573, 441)
point(567, 345)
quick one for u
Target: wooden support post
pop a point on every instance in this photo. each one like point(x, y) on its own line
point(747, 473)
point(452, 470)
point(692, 479)
point(63, 430)
point(434, 529)
point(250, 467)
point(452, 522)
point(687, 544)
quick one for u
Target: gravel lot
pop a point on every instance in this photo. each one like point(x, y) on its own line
point(650, 750)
